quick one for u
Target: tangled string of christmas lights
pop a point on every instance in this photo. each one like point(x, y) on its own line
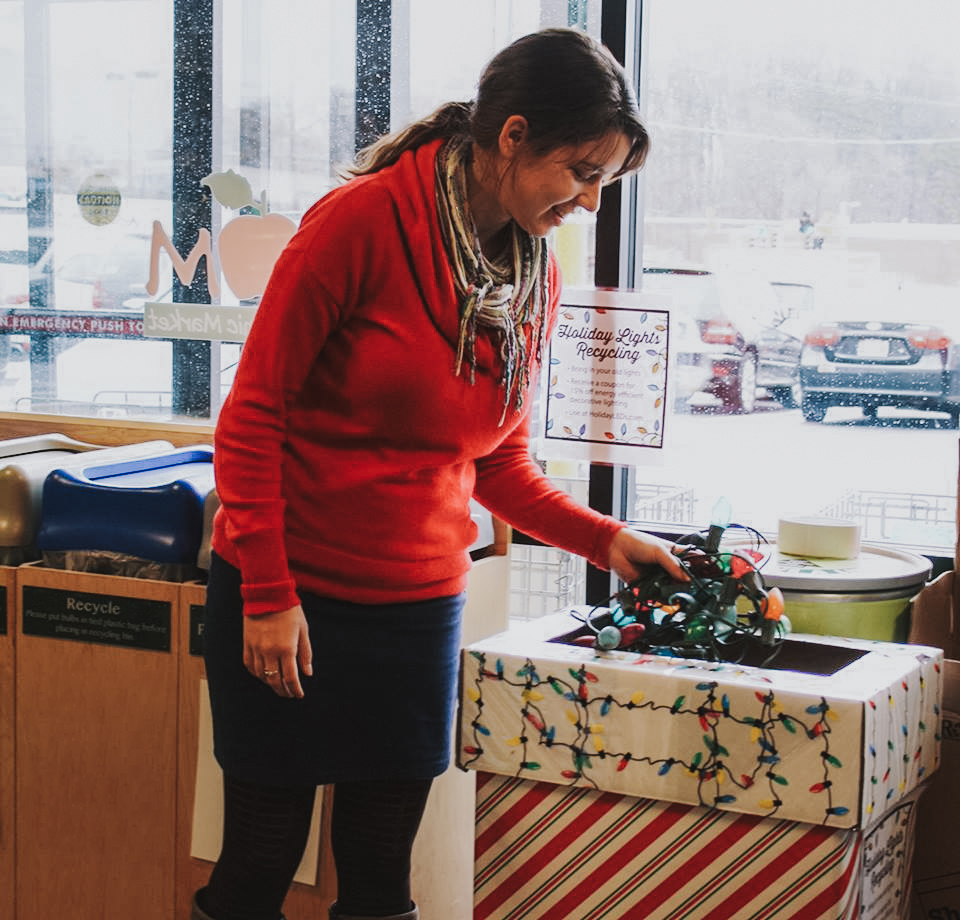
point(723, 611)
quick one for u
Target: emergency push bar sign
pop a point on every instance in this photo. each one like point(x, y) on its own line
point(604, 391)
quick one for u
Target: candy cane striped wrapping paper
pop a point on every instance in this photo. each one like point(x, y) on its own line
point(549, 852)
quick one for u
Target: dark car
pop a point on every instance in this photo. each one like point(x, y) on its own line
point(872, 363)
point(730, 337)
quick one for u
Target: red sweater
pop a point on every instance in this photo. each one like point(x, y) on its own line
point(347, 451)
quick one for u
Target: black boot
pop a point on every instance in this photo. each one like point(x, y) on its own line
point(412, 914)
point(197, 913)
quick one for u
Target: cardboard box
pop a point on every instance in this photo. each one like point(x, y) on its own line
point(936, 865)
point(836, 741)
point(935, 620)
point(549, 852)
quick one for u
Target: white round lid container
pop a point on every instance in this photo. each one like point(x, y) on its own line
point(877, 568)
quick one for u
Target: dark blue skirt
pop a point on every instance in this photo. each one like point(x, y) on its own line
point(379, 705)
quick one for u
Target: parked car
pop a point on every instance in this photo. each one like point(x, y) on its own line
point(730, 338)
point(869, 363)
point(109, 278)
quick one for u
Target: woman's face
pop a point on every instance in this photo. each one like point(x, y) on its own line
point(540, 191)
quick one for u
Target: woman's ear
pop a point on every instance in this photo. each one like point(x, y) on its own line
point(513, 136)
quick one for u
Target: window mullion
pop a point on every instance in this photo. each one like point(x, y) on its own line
point(193, 158)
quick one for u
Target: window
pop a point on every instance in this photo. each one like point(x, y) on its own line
point(120, 108)
point(84, 171)
point(790, 153)
point(799, 212)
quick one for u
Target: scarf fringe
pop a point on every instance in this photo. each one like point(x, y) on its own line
point(508, 296)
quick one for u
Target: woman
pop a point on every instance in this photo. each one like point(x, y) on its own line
point(387, 379)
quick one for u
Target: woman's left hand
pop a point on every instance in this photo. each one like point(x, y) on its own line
point(633, 549)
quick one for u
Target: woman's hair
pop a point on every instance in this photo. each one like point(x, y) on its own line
point(566, 85)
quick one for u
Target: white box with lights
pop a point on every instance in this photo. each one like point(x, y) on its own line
point(617, 781)
point(831, 731)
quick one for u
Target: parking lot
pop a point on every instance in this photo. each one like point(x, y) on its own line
point(772, 463)
point(767, 463)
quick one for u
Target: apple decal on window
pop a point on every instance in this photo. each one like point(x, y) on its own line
point(250, 244)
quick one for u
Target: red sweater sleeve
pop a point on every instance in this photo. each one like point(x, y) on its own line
point(513, 487)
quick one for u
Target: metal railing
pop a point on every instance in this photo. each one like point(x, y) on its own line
point(916, 519)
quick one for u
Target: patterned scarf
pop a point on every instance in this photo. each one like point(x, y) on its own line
point(508, 295)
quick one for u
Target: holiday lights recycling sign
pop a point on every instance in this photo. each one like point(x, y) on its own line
point(605, 384)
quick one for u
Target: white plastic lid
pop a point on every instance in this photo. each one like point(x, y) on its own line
point(877, 568)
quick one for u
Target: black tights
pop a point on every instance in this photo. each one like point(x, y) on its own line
point(265, 831)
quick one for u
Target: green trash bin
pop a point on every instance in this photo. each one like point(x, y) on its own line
point(867, 597)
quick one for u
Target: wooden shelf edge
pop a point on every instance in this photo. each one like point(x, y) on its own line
point(106, 432)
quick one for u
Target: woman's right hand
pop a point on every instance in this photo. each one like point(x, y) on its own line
point(276, 648)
